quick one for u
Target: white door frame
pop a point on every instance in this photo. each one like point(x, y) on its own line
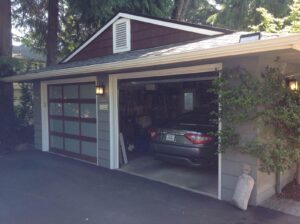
point(114, 104)
point(44, 107)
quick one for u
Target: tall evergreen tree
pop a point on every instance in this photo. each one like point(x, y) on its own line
point(6, 89)
point(52, 32)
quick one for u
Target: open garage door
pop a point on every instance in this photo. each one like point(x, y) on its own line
point(167, 125)
point(72, 120)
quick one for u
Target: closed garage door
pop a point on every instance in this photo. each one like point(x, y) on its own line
point(72, 120)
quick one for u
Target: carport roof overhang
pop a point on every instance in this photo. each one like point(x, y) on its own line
point(280, 43)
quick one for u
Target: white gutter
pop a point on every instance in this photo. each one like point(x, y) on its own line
point(280, 43)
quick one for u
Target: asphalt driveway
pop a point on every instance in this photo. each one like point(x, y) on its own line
point(41, 188)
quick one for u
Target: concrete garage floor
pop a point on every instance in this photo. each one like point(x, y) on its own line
point(41, 188)
point(203, 180)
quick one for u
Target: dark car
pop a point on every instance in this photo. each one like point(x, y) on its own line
point(187, 140)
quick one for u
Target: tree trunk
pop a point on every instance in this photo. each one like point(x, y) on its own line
point(5, 28)
point(6, 89)
point(52, 39)
point(180, 8)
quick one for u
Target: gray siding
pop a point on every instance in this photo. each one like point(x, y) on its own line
point(232, 161)
point(37, 118)
point(103, 126)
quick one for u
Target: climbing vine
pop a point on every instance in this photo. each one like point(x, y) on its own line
point(267, 104)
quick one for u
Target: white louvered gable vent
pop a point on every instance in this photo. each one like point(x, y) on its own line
point(121, 35)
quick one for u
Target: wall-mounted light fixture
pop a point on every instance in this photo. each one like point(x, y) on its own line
point(100, 89)
point(293, 84)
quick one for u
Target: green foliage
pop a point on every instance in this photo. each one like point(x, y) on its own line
point(238, 15)
point(288, 23)
point(270, 106)
point(8, 66)
point(12, 66)
point(77, 19)
point(24, 111)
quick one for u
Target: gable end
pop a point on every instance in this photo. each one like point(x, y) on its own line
point(159, 32)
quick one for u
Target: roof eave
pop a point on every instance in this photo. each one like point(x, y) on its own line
point(280, 43)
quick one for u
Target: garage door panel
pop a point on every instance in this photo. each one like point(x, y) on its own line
point(87, 91)
point(55, 109)
point(72, 145)
point(87, 110)
point(71, 109)
point(55, 92)
point(88, 148)
point(72, 127)
point(87, 129)
point(71, 92)
point(56, 142)
point(72, 120)
point(56, 125)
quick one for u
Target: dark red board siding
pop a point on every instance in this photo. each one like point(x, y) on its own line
point(100, 46)
point(143, 36)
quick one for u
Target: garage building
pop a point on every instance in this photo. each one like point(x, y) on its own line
point(137, 73)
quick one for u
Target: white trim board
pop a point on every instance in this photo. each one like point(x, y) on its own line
point(146, 20)
point(114, 104)
point(44, 106)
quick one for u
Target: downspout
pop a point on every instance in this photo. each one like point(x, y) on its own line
point(278, 187)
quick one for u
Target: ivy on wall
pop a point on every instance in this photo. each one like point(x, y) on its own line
point(266, 103)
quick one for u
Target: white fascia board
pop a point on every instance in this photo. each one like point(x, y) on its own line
point(146, 20)
point(172, 25)
point(225, 51)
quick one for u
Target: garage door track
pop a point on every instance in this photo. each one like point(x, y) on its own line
point(42, 188)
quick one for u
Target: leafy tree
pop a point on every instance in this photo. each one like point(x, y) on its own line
point(24, 111)
point(270, 23)
point(238, 15)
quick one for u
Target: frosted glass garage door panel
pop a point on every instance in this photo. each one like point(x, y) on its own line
point(55, 92)
point(89, 148)
point(56, 125)
point(88, 110)
point(55, 109)
point(88, 129)
point(88, 91)
point(56, 142)
point(72, 145)
point(71, 92)
point(72, 127)
point(71, 109)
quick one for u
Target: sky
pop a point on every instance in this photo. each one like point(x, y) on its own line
point(16, 32)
